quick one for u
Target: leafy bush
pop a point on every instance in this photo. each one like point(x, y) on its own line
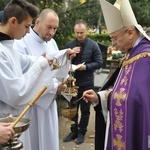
point(99, 38)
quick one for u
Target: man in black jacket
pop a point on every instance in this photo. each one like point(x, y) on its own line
point(91, 56)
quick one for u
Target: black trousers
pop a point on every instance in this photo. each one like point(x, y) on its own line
point(82, 122)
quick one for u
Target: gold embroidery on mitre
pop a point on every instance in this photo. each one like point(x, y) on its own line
point(118, 142)
point(118, 118)
point(135, 58)
point(120, 96)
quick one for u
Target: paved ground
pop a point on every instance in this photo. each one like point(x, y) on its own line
point(64, 130)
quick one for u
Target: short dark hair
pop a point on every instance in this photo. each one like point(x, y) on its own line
point(20, 9)
point(81, 21)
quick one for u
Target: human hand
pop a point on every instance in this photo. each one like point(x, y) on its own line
point(71, 53)
point(61, 87)
point(44, 54)
point(107, 93)
point(83, 67)
point(50, 61)
point(6, 132)
point(90, 95)
point(10, 116)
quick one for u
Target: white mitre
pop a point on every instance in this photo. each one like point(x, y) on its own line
point(119, 15)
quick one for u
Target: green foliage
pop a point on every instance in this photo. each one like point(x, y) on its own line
point(141, 9)
point(90, 11)
point(56, 5)
point(100, 38)
point(3, 3)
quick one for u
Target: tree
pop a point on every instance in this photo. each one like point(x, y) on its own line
point(88, 11)
point(71, 10)
point(141, 10)
point(3, 3)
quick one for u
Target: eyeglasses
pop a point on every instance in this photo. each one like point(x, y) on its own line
point(115, 38)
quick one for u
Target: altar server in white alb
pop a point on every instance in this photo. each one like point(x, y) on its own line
point(20, 76)
point(44, 133)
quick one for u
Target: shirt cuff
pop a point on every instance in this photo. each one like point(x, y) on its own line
point(103, 103)
point(95, 104)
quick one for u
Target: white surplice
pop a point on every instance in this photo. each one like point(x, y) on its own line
point(21, 77)
point(43, 129)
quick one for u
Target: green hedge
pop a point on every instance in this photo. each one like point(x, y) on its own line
point(100, 38)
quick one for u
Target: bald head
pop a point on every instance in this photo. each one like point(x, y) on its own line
point(46, 24)
point(47, 11)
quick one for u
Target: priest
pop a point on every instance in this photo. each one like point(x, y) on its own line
point(43, 129)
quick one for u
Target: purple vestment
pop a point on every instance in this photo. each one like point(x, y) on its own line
point(130, 102)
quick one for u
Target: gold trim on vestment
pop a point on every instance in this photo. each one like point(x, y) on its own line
point(135, 58)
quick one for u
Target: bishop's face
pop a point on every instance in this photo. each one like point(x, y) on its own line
point(123, 39)
point(46, 28)
point(80, 32)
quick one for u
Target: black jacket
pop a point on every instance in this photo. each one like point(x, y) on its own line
point(90, 54)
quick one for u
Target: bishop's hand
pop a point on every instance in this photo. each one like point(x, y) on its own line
point(90, 95)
